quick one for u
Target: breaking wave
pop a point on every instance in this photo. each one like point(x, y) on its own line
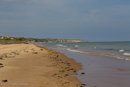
point(60, 45)
point(126, 54)
point(121, 50)
point(75, 50)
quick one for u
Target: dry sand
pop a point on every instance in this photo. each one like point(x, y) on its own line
point(27, 65)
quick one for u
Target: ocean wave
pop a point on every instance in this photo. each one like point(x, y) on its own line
point(76, 46)
point(75, 50)
point(126, 54)
point(122, 58)
point(110, 49)
point(94, 47)
point(116, 50)
point(121, 50)
point(60, 45)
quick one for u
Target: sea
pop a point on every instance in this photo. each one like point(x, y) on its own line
point(105, 64)
point(119, 50)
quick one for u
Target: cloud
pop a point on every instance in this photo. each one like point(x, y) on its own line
point(13, 1)
point(64, 16)
point(60, 11)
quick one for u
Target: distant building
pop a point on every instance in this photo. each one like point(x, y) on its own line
point(1, 37)
point(12, 38)
point(7, 37)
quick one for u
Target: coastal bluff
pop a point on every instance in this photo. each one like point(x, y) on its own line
point(67, 40)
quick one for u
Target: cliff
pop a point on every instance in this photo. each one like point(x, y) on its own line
point(69, 40)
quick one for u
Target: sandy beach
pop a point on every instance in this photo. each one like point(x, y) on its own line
point(27, 65)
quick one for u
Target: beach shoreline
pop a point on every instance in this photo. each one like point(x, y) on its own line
point(28, 65)
point(101, 71)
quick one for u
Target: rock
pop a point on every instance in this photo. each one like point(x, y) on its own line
point(1, 58)
point(4, 80)
point(35, 53)
point(1, 66)
point(82, 73)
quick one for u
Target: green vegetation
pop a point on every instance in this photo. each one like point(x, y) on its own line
point(11, 40)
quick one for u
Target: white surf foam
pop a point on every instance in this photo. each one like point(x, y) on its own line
point(121, 50)
point(60, 45)
point(74, 50)
point(76, 46)
point(94, 47)
point(126, 54)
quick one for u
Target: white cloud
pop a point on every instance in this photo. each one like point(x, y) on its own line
point(13, 1)
point(56, 14)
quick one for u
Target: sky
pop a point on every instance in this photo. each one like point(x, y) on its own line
point(92, 20)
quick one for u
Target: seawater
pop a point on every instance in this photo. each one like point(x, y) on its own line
point(100, 71)
point(119, 50)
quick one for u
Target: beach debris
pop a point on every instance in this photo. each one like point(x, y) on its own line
point(35, 53)
point(59, 77)
point(66, 75)
point(61, 71)
point(1, 64)
point(25, 51)
point(80, 85)
point(84, 84)
point(65, 83)
point(1, 58)
point(82, 73)
point(55, 74)
point(41, 49)
point(74, 71)
point(68, 63)
point(4, 80)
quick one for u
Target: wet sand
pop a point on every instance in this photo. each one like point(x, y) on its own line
point(101, 71)
point(27, 65)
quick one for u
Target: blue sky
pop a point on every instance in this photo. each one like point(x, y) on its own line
point(92, 20)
